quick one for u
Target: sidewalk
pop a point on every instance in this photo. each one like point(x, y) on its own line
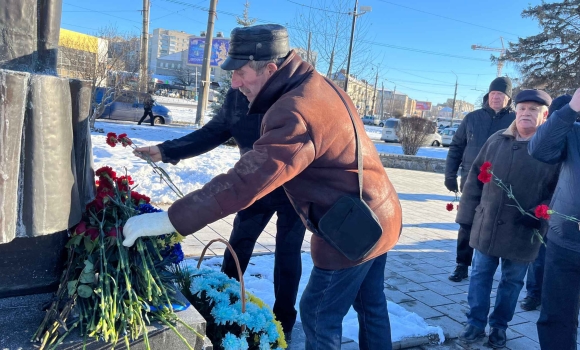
point(417, 268)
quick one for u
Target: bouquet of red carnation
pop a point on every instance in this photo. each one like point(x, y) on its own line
point(113, 290)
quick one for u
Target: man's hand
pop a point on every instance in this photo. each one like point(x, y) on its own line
point(575, 102)
point(152, 224)
point(451, 184)
point(152, 151)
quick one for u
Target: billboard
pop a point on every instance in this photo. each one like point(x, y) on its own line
point(219, 51)
point(422, 106)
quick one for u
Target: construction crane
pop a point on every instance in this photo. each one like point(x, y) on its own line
point(496, 49)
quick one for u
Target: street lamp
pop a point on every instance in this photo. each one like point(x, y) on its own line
point(364, 10)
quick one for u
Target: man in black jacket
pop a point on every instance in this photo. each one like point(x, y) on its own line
point(233, 120)
point(148, 110)
point(474, 130)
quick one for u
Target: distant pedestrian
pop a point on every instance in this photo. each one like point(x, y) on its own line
point(535, 275)
point(501, 234)
point(558, 141)
point(148, 109)
point(477, 126)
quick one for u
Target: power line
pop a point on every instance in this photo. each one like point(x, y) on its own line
point(410, 88)
point(449, 18)
point(74, 25)
point(319, 9)
point(104, 13)
point(362, 41)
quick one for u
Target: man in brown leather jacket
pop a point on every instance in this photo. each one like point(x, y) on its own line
point(308, 146)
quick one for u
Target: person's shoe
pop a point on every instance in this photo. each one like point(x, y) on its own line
point(288, 337)
point(497, 338)
point(471, 334)
point(530, 303)
point(459, 274)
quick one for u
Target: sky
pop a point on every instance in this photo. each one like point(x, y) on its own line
point(420, 48)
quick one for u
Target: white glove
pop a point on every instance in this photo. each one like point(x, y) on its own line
point(152, 224)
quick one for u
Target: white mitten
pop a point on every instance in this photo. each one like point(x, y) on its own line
point(152, 224)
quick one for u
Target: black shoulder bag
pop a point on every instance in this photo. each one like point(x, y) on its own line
point(350, 226)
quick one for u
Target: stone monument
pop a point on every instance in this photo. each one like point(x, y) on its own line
point(46, 173)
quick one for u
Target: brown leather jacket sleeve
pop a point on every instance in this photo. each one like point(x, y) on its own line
point(282, 152)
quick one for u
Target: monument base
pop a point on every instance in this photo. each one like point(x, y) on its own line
point(21, 316)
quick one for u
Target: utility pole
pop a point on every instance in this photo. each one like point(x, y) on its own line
point(144, 48)
point(375, 94)
point(454, 97)
point(205, 68)
point(393, 101)
point(308, 58)
point(382, 99)
point(350, 46)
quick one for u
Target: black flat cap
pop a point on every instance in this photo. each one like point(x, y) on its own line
point(533, 95)
point(256, 43)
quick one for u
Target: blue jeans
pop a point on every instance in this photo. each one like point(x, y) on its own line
point(536, 274)
point(328, 297)
point(558, 322)
point(480, 285)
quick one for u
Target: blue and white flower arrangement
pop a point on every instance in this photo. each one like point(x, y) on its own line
point(217, 298)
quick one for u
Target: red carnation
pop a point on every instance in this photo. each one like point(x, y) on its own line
point(124, 140)
point(485, 175)
point(92, 232)
point(106, 171)
point(137, 197)
point(449, 207)
point(81, 228)
point(542, 212)
point(124, 182)
point(113, 232)
point(112, 139)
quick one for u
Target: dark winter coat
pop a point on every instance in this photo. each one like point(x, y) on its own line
point(307, 145)
point(232, 120)
point(148, 103)
point(487, 207)
point(472, 133)
point(558, 140)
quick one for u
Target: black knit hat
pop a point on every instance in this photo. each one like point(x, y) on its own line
point(533, 95)
point(256, 43)
point(558, 103)
point(501, 84)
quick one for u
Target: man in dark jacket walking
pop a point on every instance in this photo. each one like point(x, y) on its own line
point(148, 110)
point(233, 120)
point(558, 141)
point(500, 232)
point(472, 133)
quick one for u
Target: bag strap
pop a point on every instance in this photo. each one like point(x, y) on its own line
point(359, 155)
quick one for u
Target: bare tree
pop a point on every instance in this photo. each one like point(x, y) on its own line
point(185, 76)
point(328, 23)
point(109, 60)
point(412, 133)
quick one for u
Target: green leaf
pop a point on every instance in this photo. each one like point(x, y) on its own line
point(88, 244)
point(87, 277)
point(72, 287)
point(75, 241)
point(89, 267)
point(84, 291)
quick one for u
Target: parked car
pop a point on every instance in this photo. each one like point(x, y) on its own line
point(128, 105)
point(389, 133)
point(447, 136)
point(372, 120)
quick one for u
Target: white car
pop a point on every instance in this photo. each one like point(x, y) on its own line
point(389, 133)
point(447, 136)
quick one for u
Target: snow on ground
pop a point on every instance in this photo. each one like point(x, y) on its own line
point(174, 100)
point(259, 280)
point(192, 174)
point(431, 152)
